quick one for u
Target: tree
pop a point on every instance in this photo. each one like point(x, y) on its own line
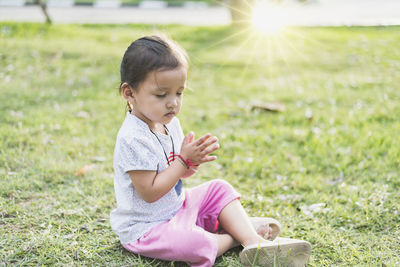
point(43, 6)
point(241, 11)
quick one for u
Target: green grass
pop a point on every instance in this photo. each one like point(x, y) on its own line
point(60, 110)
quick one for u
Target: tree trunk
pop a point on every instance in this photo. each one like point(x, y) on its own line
point(241, 11)
point(43, 6)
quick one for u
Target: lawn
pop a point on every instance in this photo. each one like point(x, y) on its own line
point(327, 166)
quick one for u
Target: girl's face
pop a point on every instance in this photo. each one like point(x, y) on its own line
point(159, 97)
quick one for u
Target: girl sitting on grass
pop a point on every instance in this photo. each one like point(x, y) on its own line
point(155, 217)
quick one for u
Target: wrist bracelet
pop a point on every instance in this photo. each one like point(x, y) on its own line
point(172, 158)
point(182, 161)
point(187, 162)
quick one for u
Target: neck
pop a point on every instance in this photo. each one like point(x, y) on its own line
point(159, 128)
point(153, 126)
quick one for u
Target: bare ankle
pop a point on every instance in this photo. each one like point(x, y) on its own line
point(254, 240)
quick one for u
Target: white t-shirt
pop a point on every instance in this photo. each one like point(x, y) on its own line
point(137, 148)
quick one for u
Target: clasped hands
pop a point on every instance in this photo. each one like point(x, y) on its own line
point(198, 151)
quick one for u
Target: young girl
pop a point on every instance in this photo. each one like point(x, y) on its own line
point(155, 216)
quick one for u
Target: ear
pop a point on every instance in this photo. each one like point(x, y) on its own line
point(127, 92)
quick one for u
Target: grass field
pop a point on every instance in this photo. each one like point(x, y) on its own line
point(336, 144)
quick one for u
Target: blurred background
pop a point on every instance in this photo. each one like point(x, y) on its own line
point(205, 12)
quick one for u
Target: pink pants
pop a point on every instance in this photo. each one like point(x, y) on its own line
point(189, 235)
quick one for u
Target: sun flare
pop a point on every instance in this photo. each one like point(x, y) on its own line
point(268, 19)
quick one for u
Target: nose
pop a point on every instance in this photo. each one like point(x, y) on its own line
point(173, 102)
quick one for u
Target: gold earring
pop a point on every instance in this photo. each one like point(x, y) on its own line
point(128, 106)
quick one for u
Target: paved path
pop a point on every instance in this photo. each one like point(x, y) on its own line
point(203, 16)
point(317, 13)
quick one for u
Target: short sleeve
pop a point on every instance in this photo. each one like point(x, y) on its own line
point(136, 154)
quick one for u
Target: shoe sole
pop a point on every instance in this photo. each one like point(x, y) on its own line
point(280, 252)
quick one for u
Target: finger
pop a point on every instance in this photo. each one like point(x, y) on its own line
point(187, 138)
point(208, 159)
point(209, 142)
point(210, 149)
point(202, 139)
point(192, 138)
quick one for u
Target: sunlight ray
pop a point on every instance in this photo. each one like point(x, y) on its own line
point(281, 52)
point(218, 43)
point(269, 56)
point(236, 50)
point(251, 6)
point(228, 38)
point(233, 8)
point(251, 57)
point(292, 46)
point(298, 34)
point(219, 68)
point(244, 31)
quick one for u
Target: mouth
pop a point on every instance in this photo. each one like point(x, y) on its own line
point(170, 114)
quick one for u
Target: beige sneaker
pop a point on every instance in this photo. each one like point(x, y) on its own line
point(262, 225)
point(280, 252)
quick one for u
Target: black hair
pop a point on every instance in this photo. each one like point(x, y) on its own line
point(147, 54)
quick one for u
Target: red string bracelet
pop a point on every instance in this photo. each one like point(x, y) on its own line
point(183, 162)
point(187, 162)
point(172, 157)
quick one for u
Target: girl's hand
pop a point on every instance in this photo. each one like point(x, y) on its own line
point(189, 172)
point(198, 150)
